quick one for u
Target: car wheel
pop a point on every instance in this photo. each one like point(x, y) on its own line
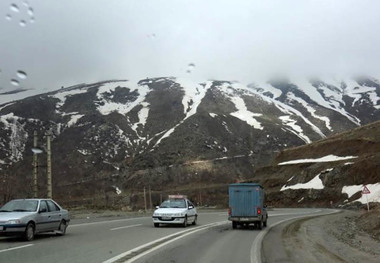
point(195, 220)
point(156, 224)
point(265, 222)
point(29, 232)
point(260, 225)
point(185, 222)
point(62, 228)
point(234, 225)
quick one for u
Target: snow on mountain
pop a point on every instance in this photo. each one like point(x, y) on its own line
point(155, 110)
point(328, 158)
point(106, 103)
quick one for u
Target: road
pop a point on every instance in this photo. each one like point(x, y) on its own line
point(136, 240)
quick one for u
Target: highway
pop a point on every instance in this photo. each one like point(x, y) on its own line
point(136, 240)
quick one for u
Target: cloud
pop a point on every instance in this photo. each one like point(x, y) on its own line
point(72, 42)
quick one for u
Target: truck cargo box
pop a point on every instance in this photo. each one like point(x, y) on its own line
point(246, 205)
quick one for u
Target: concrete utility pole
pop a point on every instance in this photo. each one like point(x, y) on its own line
point(150, 198)
point(35, 167)
point(144, 199)
point(48, 169)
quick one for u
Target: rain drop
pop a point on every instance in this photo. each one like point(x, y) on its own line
point(32, 19)
point(25, 3)
point(8, 17)
point(30, 11)
point(14, 8)
point(15, 82)
point(190, 67)
point(22, 23)
point(21, 74)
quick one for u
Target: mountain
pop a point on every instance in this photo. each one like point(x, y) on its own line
point(171, 134)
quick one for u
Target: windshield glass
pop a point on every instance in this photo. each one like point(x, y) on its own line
point(20, 206)
point(173, 203)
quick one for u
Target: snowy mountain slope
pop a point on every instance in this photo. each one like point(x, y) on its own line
point(112, 127)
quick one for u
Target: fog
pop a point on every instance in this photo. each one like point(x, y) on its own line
point(63, 43)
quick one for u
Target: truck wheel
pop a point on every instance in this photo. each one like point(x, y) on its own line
point(234, 225)
point(260, 225)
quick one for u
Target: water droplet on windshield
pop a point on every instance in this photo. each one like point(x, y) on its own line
point(190, 67)
point(21, 74)
point(8, 17)
point(32, 19)
point(22, 23)
point(25, 3)
point(15, 82)
point(30, 11)
point(14, 8)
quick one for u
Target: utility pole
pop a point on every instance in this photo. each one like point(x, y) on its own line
point(144, 199)
point(35, 166)
point(48, 169)
point(150, 198)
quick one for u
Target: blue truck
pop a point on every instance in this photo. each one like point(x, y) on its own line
point(247, 205)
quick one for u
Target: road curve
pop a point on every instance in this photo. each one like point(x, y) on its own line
point(136, 240)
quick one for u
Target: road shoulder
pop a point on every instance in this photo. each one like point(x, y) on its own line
point(329, 238)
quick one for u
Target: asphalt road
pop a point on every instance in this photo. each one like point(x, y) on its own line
point(136, 240)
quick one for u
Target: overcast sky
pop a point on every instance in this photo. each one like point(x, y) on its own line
point(66, 42)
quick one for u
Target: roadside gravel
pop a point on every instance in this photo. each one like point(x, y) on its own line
point(332, 238)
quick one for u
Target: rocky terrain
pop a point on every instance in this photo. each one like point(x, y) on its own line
point(334, 238)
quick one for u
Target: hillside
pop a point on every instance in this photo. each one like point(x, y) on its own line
point(334, 169)
point(113, 138)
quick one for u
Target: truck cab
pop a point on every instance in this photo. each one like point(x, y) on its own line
point(247, 205)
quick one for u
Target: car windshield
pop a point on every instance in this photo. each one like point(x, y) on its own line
point(20, 206)
point(173, 203)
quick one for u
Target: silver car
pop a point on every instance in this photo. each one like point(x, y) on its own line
point(27, 217)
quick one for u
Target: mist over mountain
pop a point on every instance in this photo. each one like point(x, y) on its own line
point(167, 133)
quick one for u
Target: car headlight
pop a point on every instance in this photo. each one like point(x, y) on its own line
point(179, 214)
point(13, 222)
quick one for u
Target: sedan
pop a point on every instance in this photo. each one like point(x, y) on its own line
point(27, 217)
point(176, 210)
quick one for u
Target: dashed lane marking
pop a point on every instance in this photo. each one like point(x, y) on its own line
point(122, 227)
point(14, 248)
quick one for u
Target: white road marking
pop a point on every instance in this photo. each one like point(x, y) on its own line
point(257, 243)
point(122, 227)
point(182, 233)
point(14, 248)
point(108, 221)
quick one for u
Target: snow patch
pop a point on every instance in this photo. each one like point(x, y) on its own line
point(62, 95)
point(315, 183)
point(74, 119)
point(328, 158)
point(297, 130)
point(122, 108)
point(374, 196)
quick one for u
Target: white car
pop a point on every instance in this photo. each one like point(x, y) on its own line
point(176, 210)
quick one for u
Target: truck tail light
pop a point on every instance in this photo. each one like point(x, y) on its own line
point(259, 211)
point(229, 211)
